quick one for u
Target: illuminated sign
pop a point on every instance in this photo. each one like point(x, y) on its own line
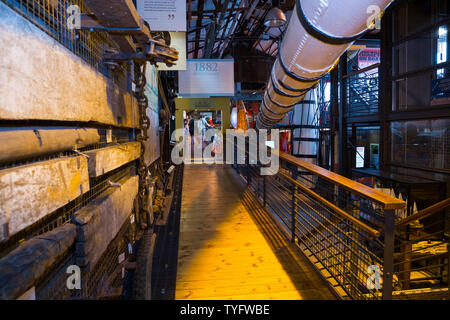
point(360, 157)
point(368, 57)
point(207, 78)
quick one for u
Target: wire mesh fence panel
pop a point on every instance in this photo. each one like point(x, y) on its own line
point(362, 93)
point(65, 214)
point(54, 17)
point(342, 231)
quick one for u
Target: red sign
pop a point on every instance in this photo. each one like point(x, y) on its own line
point(368, 57)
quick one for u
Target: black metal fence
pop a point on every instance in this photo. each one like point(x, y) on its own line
point(346, 231)
point(422, 250)
point(362, 92)
point(105, 280)
point(52, 17)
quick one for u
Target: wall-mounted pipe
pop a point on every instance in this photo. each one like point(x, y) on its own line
point(319, 32)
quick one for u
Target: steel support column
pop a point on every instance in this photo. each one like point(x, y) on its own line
point(388, 267)
point(343, 150)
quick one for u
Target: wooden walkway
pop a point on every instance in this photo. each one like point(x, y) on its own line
point(229, 248)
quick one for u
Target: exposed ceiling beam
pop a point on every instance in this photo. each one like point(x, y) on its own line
point(233, 30)
point(201, 4)
point(218, 27)
point(194, 50)
point(229, 19)
point(197, 29)
point(189, 13)
point(216, 5)
point(231, 10)
point(237, 38)
point(210, 40)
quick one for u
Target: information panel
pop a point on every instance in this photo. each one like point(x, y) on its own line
point(207, 78)
point(163, 15)
point(152, 145)
point(360, 157)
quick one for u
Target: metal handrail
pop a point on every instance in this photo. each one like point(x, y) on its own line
point(424, 213)
point(386, 201)
point(347, 227)
point(336, 209)
point(374, 66)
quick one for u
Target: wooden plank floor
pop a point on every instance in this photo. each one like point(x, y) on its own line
point(230, 249)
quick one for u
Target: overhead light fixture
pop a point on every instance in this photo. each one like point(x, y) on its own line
point(275, 17)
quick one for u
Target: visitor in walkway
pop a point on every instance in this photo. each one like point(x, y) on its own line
point(204, 126)
point(191, 129)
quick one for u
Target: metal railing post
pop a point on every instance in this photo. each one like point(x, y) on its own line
point(388, 265)
point(264, 190)
point(248, 171)
point(235, 163)
point(294, 204)
point(448, 265)
point(247, 160)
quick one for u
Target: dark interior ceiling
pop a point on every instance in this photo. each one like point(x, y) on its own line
point(215, 25)
point(220, 28)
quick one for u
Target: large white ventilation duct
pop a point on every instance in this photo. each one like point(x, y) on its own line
point(319, 32)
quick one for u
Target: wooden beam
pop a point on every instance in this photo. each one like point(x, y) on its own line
point(100, 221)
point(17, 143)
point(21, 269)
point(59, 85)
point(104, 160)
point(386, 201)
point(424, 213)
point(117, 14)
point(39, 189)
point(125, 43)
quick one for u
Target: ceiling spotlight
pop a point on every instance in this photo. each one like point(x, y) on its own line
point(275, 18)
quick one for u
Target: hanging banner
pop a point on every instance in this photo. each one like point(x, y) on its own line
point(163, 15)
point(178, 42)
point(152, 145)
point(207, 78)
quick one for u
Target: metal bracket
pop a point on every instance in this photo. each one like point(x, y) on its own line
point(89, 22)
point(80, 153)
point(155, 51)
point(114, 184)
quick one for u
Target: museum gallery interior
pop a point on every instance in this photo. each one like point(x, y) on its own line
point(224, 150)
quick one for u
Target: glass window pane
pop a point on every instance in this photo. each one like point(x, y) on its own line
point(421, 143)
